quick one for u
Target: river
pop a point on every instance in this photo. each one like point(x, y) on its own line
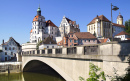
point(28, 76)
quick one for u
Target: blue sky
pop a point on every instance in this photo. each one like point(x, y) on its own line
point(16, 15)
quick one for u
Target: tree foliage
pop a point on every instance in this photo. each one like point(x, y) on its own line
point(38, 44)
point(93, 75)
point(127, 26)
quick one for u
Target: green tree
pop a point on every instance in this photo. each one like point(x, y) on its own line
point(127, 26)
point(38, 44)
point(93, 73)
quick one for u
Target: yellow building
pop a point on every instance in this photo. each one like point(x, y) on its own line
point(101, 26)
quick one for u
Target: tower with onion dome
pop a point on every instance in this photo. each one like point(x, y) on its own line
point(38, 26)
point(120, 19)
point(41, 29)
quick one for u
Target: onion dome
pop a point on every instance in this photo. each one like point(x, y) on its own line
point(119, 16)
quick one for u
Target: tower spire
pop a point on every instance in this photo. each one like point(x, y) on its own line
point(39, 10)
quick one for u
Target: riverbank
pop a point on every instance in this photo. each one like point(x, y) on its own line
point(10, 67)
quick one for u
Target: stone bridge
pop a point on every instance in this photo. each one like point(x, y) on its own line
point(73, 62)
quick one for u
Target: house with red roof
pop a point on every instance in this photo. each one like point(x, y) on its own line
point(102, 27)
point(78, 38)
point(123, 36)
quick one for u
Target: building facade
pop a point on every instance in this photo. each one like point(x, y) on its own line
point(41, 28)
point(101, 26)
point(123, 36)
point(48, 43)
point(67, 26)
point(78, 38)
point(10, 49)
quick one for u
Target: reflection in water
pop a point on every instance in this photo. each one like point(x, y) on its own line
point(26, 76)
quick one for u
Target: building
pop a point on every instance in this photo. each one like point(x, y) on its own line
point(41, 28)
point(48, 43)
point(101, 26)
point(10, 49)
point(123, 36)
point(78, 38)
point(104, 40)
point(67, 26)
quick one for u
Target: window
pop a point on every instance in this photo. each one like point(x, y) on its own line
point(52, 46)
point(5, 53)
point(5, 48)
point(84, 40)
point(70, 40)
point(93, 40)
point(47, 46)
point(52, 32)
point(35, 31)
point(81, 40)
point(9, 48)
point(89, 40)
point(13, 48)
point(72, 35)
point(52, 28)
point(75, 41)
point(11, 53)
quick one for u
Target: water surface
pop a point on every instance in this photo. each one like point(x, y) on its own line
point(28, 76)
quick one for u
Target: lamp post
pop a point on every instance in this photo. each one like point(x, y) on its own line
point(112, 8)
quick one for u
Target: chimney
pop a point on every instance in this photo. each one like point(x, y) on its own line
point(3, 41)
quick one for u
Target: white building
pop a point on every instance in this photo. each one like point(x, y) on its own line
point(67, 26)
point(41, 29)
point(101, 26)
point(123, 36)
point(48, 43)
point(9, 50)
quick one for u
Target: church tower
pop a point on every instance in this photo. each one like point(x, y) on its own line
point(120, 19)
point(38, 26)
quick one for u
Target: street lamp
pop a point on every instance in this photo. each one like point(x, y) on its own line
point(112, 8)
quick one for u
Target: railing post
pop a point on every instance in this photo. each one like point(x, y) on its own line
point(64, 51)
point(46, 51)
point(40, 51)
point(53, 51)
point(80, 50)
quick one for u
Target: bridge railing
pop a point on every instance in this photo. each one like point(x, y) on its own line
point(71, 50)
point(58, 51)
point(82, 50)
point(91, 50)
point(49, 51)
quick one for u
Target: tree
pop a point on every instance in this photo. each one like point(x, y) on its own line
point(93, 73)
point(94, 34)
point(127, 26)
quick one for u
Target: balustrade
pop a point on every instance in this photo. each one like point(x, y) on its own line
point(90, 50)
point(59, 51)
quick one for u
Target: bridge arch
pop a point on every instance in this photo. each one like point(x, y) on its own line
point(52, 65)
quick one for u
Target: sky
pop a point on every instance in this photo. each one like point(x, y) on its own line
point(16, 16)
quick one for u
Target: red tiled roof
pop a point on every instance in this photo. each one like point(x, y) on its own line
point(103, 40)
point(50, 23)
point(36, 18)
point(31, 31)
point(101, 17)
point(122, 33)
point(118, 25)
point(84, 35)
